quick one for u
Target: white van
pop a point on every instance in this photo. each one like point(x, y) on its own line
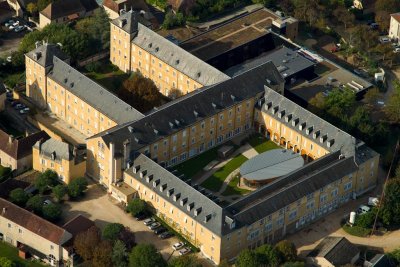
point(363, 209)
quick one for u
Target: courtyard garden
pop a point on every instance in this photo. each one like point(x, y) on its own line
point(261, 144)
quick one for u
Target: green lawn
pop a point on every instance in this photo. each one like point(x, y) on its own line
point(232, 188)
point(356, 230)
point(194, 165)
point(12, 254)
point(111, 80)
point(215, 181)
point(261, 144)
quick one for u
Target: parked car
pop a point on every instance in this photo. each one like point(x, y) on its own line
point(19, 106)
point(140, 216)
point(178, 245)
point(154, 225)
point(23, 111)
point(166, 235)
point(148, 221)
point(160, 230)
point(184, 251)
point(9, 23)
point(47, 202)
point(9, 59)
point(19, 28)
point(373, 201)
point(362, 209)
point(396, 50)
point(15, 24)
point(11, 27)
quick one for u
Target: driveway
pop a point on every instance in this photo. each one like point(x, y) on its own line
point(99, 207)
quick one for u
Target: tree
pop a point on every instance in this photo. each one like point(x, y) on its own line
point(52, 212)
point(395, 256)
point(19, 196)
point(112, 231)
point(59, 191)
point(390, 213)
point(140, 92)
point(136, 206)
point(247, 258)
point(371, 96)
point(344, 16)
point(32, 8)
point(4, 262)
point(287, 250)
point(45, 180)
point(77, 187)
point(268, 255)
point(102, 254)
point(365, 220)
point(35, 204)
point(174, 93)
point(119, 254)
point(392, 108)
point(184, 261)
point(146, 255)
point(85, 242)
point(127, 237)
point(382, 17)
point(42, 4)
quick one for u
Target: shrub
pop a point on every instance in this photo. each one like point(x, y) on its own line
point(19, 196)
point(77, 186)
point(35, 204)
point(136, 206)
point(112, 230)
point(52, 212)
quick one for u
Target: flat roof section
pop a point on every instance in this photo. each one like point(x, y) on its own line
point(287, 61)
point(230, 35)
point(271, 164)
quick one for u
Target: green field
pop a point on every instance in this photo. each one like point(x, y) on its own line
point(215, 181)
point(261, 144)
point(12, 254)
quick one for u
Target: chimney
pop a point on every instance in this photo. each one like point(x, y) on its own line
point(4, 211)
point(10, 139)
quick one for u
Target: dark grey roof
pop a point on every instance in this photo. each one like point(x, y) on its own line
point(164, 121)
point(271, 164)
point(313, 127)
point(129, 21)
point(44, 54)
point(92, 93)
point(54, 148)
point(170, 53)
point(288, 62)
point(337, 250)
point(174, 190)
point(290, 188)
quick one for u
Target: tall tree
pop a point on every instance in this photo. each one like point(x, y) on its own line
point(102, 254)
point(119, 254)
point(146, 255)
point(344, 16)
point(85, 242)
point(392, 108)
point(390, 213)
point(287, 250)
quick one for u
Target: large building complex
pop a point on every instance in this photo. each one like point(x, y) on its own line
point(133, 154)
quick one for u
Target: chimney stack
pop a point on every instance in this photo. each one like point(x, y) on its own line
point(10, 139)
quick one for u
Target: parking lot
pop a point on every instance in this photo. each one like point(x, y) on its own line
point(13, 35)
point(99, 207)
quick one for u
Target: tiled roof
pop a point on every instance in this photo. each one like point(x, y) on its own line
point(45, 53)
point(169, 52)
point(191, 202)
point(20, 148)
point(78, 224)
point(59, 149)
point(117, 5)
point(337, 250)
point(33, 223)
point(396, 16)
point(130, 21)
point(189, 109)
point(92, 93)
point(59, 9)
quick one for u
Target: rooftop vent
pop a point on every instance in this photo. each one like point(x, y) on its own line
point(176, 196)
point(136, 139)
point(150, 45)
point(214, 105)
point(157, 49)
point(315, 134)
point(171, 125)
point(177, 62)
point(196, 114)
point(288, 117)
point(233, 98)
point(130, 129)
point(155, 131)
point(177, 122)
point(156, 182)
point(71, 85)
point(198, 74)
point(65, 80)
point(183, 201)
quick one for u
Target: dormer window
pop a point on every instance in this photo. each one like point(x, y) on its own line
point(207, 218)
point(330, 142)
point(302, 126)
point(176, 196)
point(143, 174)
point(156, 182)
point(136, 169)
point(281, 114)
point(149, 178)
point(295, 121)
point(190, 206)
point(197, 211)
point(316, 134)
point(309, 130)
point(183, 201)
point(323, 138)
point(170, 192)
point(288, 117)
point(275, 109)
point(268, 105)
point(163, 187)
